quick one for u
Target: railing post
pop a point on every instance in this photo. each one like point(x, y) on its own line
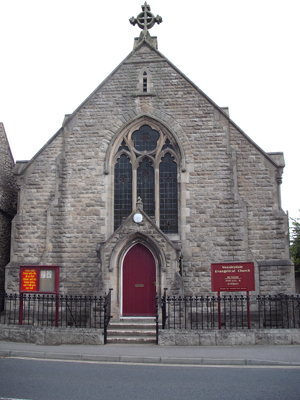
point(107, 316)
point(56, 310)
point(219, 311)
point(212, 307)
point(156, 317)
point(248, 310)
point(21, 309)
point(164, 309)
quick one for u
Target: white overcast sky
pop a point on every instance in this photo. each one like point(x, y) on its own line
point(242, 54)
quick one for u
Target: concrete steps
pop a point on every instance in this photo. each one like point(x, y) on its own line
point(132, 331)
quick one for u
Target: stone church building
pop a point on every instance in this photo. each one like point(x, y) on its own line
point(146, 184)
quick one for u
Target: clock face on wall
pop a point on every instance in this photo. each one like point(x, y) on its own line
point(138, 218)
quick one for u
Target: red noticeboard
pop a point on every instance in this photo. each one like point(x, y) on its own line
point(29, 280)
point(232, 277)
point(39, 279)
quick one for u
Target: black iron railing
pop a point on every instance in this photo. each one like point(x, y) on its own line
point(47, 310)
point(172, 312)
point(230, 312)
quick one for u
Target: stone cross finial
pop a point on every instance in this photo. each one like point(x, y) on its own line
point(145, 19)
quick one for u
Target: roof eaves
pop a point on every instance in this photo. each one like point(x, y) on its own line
point(69, 118)
point(38, 153)
point(219, 109)
point(8, 145)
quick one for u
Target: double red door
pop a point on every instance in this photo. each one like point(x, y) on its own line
point(139, 282)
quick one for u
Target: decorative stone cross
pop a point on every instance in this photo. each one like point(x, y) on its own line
point(145, 19)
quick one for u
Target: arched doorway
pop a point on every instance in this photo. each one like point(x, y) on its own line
point(139, 282)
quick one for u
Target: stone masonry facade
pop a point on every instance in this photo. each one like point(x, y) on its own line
point(228, 190)
point(8, 201)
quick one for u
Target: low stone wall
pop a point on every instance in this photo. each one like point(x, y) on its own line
point(58, 336)
point(229, 338)
point(51, 336)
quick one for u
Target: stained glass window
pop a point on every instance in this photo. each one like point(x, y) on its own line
point(145, 186)
point(145, 138)
point(167, 145)
point(123, 190)
point(123, 146)
point(152, 167)
point(168, 194)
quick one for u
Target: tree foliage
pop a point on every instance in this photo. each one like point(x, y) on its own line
point(295, 244)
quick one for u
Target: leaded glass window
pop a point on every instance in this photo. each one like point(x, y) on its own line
point(123, 146)
point(145, 186)
point(145, 139)
point(123, 190)
point(168, 194)
point(146, 167)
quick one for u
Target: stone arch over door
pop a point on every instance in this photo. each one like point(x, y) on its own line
point(112, 253)
point(112, 257)
point(156, 250)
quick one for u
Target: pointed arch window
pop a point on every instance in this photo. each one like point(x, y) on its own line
point(145, 84)
point(168, 194)
point(146, 166)
point(123, 189)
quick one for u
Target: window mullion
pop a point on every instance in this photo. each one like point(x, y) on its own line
point(134, 188)
point(156, 191)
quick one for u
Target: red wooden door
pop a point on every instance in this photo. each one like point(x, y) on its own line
point(139, 282)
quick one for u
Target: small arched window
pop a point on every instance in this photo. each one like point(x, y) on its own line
point(145, 84)
point(146, 167)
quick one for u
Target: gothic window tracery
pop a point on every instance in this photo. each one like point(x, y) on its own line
point(146, 166)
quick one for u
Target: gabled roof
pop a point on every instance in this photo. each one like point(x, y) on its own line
point(160, 57)
point(4, 141)
point(8, 189)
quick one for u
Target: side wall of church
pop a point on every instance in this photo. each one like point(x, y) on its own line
point(32, 226)
point(227, 205)
point(258, 183)
point(8, 200)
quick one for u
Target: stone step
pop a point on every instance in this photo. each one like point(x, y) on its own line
point(132, 331)
point(129, 332)
point(130, 326)
point(138, 320)
point(131, 340)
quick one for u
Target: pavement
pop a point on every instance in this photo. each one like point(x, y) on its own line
point(152, 354)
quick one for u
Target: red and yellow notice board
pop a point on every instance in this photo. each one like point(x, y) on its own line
point(39, 278)
point(232, 277)
point(29, 280)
